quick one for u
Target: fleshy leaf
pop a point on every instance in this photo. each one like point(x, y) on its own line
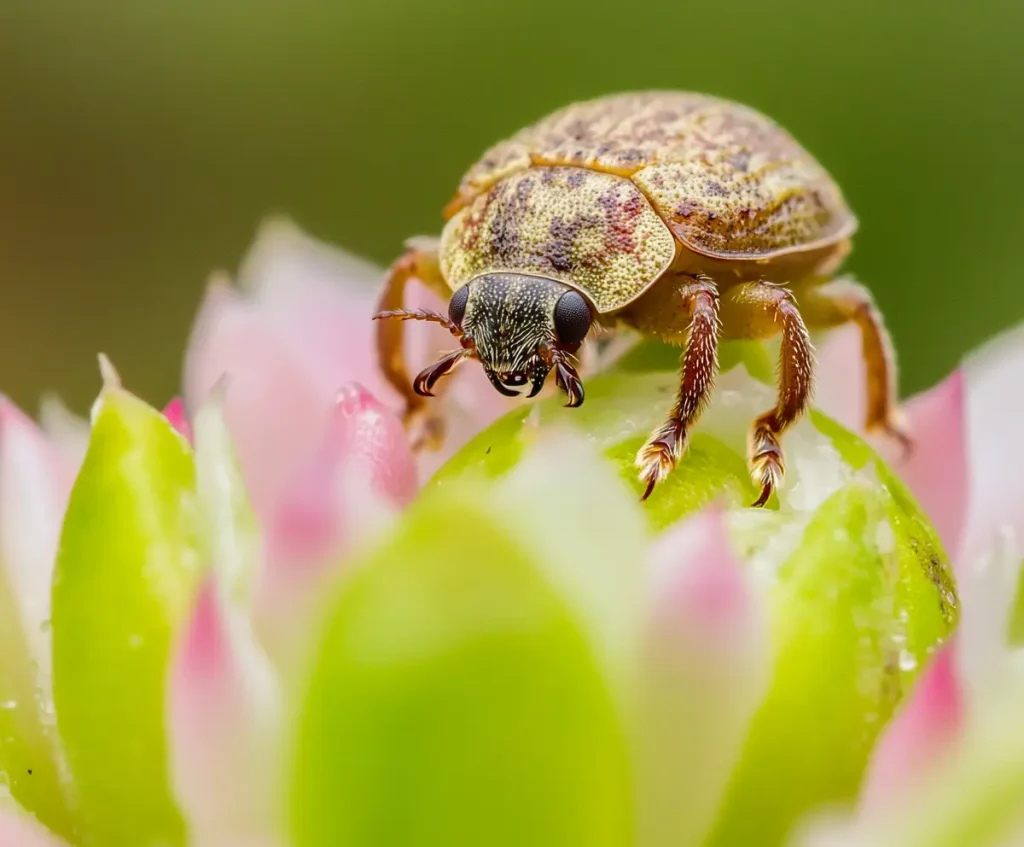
point(846, 645)
point(35, 480)
point(919, 736)
point(587, 545)
point(230, 530)
point(456, 701)
point(703, 670)
point(124, 582)
point(859, 590)
point(18, 830)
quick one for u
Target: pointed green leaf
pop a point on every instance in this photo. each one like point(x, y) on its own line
point(846, 645)
point(230, 530)
point(30, 755)
point(456, 701)
point(124, 581)
point(859, 590)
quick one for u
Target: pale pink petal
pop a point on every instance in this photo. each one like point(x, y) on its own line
point(361, 471)
point(936, 468)
point(224, 726)
point(20, 830)
point(274, 411)
point(35, 482)
point(704, 671)
point(918, 737)
point(993, 410)
point(362, 431)
point(68, 431)
point(840, 388)
point(320, 301)
point(238, 841)
point(176, 417)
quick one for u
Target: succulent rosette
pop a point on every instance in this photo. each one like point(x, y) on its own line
point(256, 617)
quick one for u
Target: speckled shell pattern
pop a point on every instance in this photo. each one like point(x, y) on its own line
point(590, 230)
point(723, 179)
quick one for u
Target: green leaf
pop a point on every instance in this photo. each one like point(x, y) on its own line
point(230, 530)
point(29, 747)
point(859, 589)
point(845, 645)
point(455, 701)
point(124, 581)
point(616, 424)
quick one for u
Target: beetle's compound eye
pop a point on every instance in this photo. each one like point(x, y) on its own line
point(572, 318)
point(457, 306)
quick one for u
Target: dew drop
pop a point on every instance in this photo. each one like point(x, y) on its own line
point(907, 660)
point(8, 705)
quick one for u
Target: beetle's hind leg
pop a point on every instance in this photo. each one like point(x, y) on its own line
point(844, 301)
point(420, 261)
point(699, 298)
point(762, 310)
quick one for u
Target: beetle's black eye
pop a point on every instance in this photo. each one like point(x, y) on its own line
point(572, 318)
point(457, 306)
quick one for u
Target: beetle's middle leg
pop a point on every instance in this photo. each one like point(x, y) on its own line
point(763, 310)
point(699, 299)
point(845, 301)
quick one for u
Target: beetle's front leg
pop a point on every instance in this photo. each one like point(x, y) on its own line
point(699, 300)
point(420, 261)
point(762, 310)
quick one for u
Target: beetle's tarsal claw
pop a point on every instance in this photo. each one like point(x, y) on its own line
point(428, 377)
point(569, 380)
point(659, 456)
point(767, 466)
point(419, 315)
point(894, 429)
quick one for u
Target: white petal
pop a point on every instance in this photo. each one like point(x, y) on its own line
point(994, 409)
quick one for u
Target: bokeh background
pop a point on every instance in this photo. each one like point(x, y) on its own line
point(142, 142)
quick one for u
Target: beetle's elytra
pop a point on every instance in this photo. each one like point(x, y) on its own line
point(679, 215)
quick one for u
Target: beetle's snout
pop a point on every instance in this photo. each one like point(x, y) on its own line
point(515, 384)
point(519, 383)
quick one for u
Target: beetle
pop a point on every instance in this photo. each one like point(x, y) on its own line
point(682, 216)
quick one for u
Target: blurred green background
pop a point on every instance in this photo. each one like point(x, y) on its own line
point(143, 141)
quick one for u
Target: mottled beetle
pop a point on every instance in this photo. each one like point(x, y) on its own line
point(681, 216)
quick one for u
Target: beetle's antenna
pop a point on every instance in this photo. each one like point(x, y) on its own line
point(421, 315)
point(428, 377)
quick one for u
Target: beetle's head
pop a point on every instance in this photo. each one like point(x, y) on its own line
point(518, 327)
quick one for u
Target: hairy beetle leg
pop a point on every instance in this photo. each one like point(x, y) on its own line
point(843, 301)
point(771, 309)
point(663, 449)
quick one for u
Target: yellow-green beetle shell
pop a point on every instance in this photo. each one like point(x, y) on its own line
point(593, 231)
point(724, 180)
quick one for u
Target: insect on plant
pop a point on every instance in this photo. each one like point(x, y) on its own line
point(681, 216)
